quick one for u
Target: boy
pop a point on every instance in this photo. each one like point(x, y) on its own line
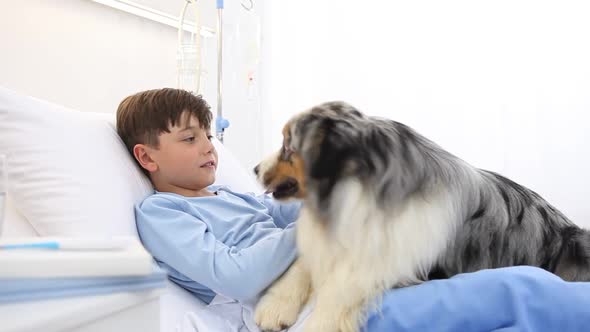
point(210, 239)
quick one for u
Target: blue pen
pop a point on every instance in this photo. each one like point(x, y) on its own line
point(39, 245)
point(70, 244)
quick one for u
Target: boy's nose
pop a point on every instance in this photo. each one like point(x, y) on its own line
point(256, 169)
point(210, 147)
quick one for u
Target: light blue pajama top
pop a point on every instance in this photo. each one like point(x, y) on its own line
point(231, 244)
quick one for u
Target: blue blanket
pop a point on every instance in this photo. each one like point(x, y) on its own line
point(508, 299)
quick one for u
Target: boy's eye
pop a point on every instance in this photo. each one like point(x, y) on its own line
point(209, 137)
point(189, 139)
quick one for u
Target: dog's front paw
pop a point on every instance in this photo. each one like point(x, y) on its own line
point(275, 312)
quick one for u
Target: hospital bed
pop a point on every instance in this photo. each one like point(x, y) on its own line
point(70, 174)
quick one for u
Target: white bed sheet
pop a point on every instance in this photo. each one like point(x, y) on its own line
point(227, 315)
point(175, 304)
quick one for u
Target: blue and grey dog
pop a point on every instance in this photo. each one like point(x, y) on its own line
point(385, 207)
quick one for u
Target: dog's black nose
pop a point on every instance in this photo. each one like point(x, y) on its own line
point(256, 169)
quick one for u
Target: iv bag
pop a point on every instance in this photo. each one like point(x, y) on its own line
point(188, 70)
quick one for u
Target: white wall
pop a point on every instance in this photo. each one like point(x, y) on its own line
point(82, 54)
point(503, 84)
point(88, 56)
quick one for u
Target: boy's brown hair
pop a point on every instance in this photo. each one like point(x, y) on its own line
point(145, 115)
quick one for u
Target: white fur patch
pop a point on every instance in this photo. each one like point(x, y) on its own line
point(365, 250)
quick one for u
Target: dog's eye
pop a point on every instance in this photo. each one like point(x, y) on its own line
point(287, 149)
point(286, 153)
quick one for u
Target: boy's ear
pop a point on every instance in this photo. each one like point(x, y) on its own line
point(141, 152)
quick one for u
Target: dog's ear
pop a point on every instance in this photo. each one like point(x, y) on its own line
point(330, 150)
point(334, 145)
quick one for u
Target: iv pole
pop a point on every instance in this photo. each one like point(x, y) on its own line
point(220, 123)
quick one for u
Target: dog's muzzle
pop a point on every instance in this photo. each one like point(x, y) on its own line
point(286, 189)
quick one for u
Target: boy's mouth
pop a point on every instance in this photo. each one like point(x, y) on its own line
point(210, 163)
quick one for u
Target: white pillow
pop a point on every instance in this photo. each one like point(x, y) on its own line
point(70, 174)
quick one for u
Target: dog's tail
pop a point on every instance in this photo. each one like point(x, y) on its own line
point(573, 263)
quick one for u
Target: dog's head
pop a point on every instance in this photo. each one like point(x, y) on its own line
point(316, 147)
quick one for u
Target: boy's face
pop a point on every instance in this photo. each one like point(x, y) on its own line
point(185, 160)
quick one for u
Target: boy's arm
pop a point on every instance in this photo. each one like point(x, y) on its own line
point(283, 213)
point(183, 242)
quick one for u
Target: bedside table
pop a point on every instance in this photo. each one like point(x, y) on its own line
point(125, 311)
point(89, 290)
